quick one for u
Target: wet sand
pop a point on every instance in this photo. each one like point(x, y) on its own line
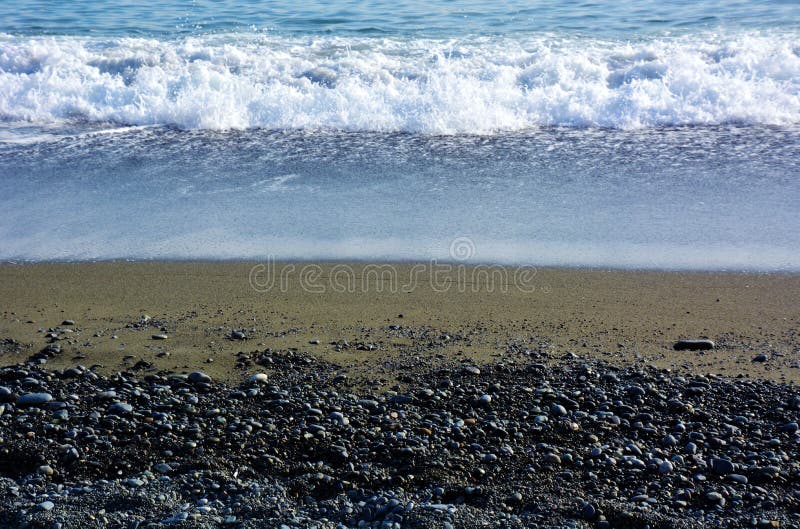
point(354, 312)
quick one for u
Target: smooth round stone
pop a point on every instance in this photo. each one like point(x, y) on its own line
point(514, 498)
point(238, 335)
point(472, 370)
point(34, 399)
point(484, 399)
point(120, 408)
point(45, 470)
point(558, 410)
point(68, 322)
point(552, 459)
point(258, 378)
point(715, 497)
point(665, 467)
point(738, 478)
point(159, 337)
point(760, 358)
point(199, 377)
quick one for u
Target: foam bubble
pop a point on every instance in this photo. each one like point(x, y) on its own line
point(429, 86)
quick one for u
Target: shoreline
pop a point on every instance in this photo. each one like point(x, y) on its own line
point(481, 313)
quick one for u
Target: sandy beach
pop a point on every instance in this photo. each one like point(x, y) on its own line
point(375, 321)
point(330, 395)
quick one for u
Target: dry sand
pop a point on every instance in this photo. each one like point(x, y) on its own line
point(621, 316)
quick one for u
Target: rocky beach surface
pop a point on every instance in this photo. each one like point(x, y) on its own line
point(581, 443)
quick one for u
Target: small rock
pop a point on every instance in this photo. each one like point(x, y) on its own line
point(694, 345)
point(665, 467)
point(120, 408)
point(160, 337)
point(258, 378)
point(552, 459)
point(34, 399)
point(760, 358)
point(721, 466)
point(199, 377)
point(162, 468)
point(68, 322)
point(340, 419)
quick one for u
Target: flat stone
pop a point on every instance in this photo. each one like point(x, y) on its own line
point(46, 506)
point(34, 399)
point(120, 408)
point(159, 337)
point(760, 358)
point(694, 345)
point(721, 466)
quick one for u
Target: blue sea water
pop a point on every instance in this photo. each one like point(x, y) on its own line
point(617, 134)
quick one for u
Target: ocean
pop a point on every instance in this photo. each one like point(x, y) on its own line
point(644, 134)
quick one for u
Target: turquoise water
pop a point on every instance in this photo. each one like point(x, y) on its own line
point(636, 134)
point(419, 18)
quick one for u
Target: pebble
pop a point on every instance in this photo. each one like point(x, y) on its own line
point(552, 459)
point(46, 506)
point(339, 418)
point(693, 345)
point(162, 468)
point(258, 378)
point(760, 358)
point(159, 337)
point(120, 408)
point(34, 399)
point(499, 448)
point(198, 377)
point(721, 466)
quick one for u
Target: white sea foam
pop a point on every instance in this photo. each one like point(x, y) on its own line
point(427, 86)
